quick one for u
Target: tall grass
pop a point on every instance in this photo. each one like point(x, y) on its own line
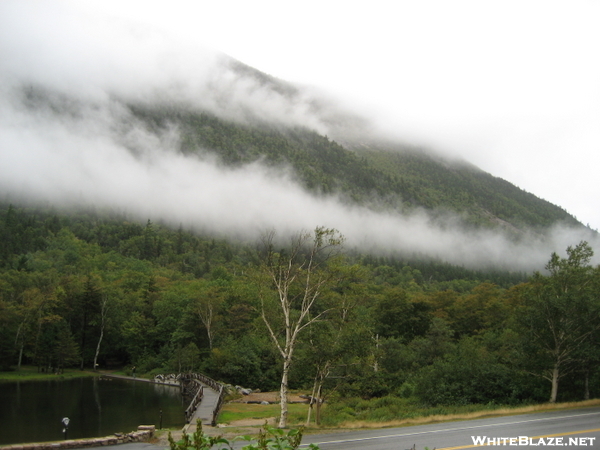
point(394, 411)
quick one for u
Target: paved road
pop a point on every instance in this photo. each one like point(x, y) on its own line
point(580, 424)
point(575, 424)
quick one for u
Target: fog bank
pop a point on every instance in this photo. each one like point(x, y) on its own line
point(67, 137)
point(99, 154)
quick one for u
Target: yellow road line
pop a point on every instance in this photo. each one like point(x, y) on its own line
point(531, 437)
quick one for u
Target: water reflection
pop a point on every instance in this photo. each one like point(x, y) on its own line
point(32, 411)
point(166, 390)
point(98, 404)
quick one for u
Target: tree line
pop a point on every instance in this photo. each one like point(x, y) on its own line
point(91, 291)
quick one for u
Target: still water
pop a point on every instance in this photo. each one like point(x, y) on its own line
point(32, 411)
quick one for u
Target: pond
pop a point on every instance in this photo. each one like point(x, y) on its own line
point(32, 411)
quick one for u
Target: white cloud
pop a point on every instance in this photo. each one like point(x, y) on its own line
point(98, 153)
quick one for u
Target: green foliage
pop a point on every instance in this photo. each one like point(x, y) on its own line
point(269, 438)
point(392, 408)
point(431, 182)
point(469, 375)
point(395, 327)
point(558, 316)
point(198, 440)
point(247, 361)
point(398, 316)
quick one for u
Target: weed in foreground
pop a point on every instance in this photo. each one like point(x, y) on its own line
point(269, 438)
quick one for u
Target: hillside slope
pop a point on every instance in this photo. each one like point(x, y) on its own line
point(380, 175)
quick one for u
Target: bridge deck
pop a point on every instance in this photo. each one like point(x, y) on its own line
point(205, 409)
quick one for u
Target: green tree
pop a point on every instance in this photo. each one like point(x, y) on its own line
point(398, 316)
point(208, 300)
point(560, 312)
point(89, 307)
point(103, 315)
point(66, 352)
point(480, 310)
point(33, 309)
point(469, 374)
point(436, 343)
point(294, 280)
point(333, 344)
point(186, 358)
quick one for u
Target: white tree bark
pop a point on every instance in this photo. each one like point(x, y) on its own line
point(103, 311)
point(298, 278)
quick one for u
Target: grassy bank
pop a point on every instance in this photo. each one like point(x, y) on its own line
point(236, 412)
point(30, 373)
point(393, 411)
point(381, 412)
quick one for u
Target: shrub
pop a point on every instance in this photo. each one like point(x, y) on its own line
point(269, 438)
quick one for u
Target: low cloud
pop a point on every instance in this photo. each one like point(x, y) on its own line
point(99, 154)
point(91, 57)
point(67, 138)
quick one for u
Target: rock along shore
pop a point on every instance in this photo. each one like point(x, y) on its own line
point(143, 434)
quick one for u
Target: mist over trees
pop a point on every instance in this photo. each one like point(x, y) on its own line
point(432, 299)
point(86, 288)
point(169, 160)
point(138, 179)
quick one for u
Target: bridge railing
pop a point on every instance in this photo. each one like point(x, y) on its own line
point(191, 409)
point(195, 381)
point(218, 406)
point(216, 386)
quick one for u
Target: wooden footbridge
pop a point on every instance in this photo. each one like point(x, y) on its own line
point(205, 393)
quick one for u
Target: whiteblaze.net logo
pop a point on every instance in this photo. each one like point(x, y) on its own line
point(534, 442)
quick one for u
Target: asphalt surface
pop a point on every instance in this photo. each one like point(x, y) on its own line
point(583, 423)
point(572, 429)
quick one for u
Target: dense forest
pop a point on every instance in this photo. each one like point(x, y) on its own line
point(87, 288)
point(92, 288)
point(375, 173)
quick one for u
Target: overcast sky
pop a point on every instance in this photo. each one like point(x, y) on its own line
point(512, 87)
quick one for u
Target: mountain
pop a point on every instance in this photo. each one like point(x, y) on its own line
point(368, 170)
point(377, 174)
point(243, 151)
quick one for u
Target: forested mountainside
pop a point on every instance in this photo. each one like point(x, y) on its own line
point(86, 281)
point(84, 288)
point(165, 208)
point(378, 174)
point(27, 230)
point(365, 170)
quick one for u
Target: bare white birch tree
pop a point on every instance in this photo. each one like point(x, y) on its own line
point(103, 312)
point(294, 279)
point(206, 313)
point(209, 300)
